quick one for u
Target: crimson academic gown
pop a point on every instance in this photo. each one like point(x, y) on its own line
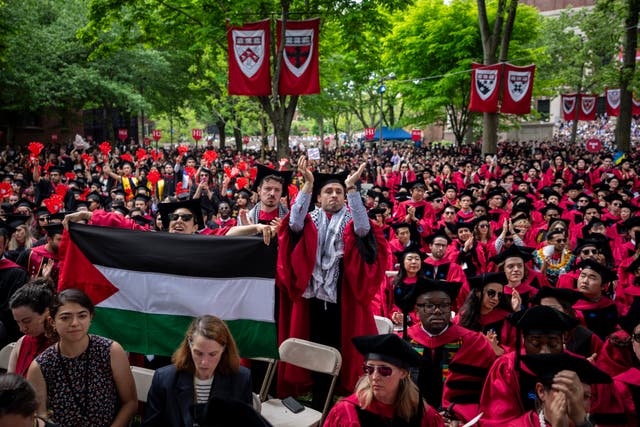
point(496, 320)
point(348, 413)
point(360, 282)
point(454, 366)
point(600, 317)
point(618, 404)
point(444, 269)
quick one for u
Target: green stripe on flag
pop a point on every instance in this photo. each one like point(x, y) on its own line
point(161, 334)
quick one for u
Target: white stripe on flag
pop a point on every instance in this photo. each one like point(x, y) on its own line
point(248, 298)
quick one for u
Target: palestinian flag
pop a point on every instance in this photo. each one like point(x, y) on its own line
point(147, 287)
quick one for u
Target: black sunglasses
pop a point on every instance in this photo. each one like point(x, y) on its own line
point(492, 293)
point(184, 217)
point(589, 252)
point(384, 371)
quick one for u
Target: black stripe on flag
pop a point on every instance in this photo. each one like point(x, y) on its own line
point(178, 254)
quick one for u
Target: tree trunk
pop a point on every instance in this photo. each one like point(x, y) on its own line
point(221, 124)
point(237, 135)
point(623, 124)
point(264, 137)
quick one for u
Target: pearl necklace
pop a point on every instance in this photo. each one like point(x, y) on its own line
point(541, 420)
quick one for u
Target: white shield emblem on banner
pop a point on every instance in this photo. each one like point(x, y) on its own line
point(588, 103)
point(248, 47)
point(518, 84)
point(613, 98)
point(298, 50)
point(486, 83)
point(568, 104)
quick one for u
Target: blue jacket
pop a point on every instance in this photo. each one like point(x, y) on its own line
point(171, 396)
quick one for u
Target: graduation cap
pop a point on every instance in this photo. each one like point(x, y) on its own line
point(245, 193)
point(94, 197)
point(440, 232)
point(322, 179)
point(573, 186)
point(6, 229)
point(402, 196)
point(627, 205)
point(520, 211)
point(495, 192)
point(264, 171)
point(53, 229)
point(550, 207)
point(466, 193)
point(469, 225)
point(546, 366)
point(586, 230)
point(568, 296)
point(411, 249)
point(556, 220)
point(415, 184)
point(80, 204)
point(451, 187)
point(56, 218)
point(118, 191)
point(142, 197)
point(192, 205)
point(482, 280)
point(612, 197)
point(388, 348)
point(606, 274)
point(542, 318)
point(601, 321)
point(25, 203)
point(398, 225)
point(514, 251)
point(591, 205)
point(141, 187)
point(54, 169)
point(436, 194)
point(425, 285)
point(42, 211)
point(16, 220)
point(120, 207)
point(634, 221)
point(375, 211)
point(142, 220)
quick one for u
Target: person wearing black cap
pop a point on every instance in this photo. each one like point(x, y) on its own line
point(438, 265)
point(628, 248)
point(486, 309)
point(402, 239)
point(599, 312)
point(386, 394)
point(509, 389)
point(45, 187)
point(490, 168)
point(271, 185)
point(44, 260)
point(466, 251)
point(580, 341)
point(12, 277)
point(523, 281)
point(128, 181)
point(410, 266)
point(455, 360)
point(331, 263)
point(562, 390)
point(417, 211)
point(592, 248)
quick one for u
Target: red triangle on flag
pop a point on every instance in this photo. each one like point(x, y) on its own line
point(76, 271)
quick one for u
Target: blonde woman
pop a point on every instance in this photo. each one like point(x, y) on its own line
point(385, 395)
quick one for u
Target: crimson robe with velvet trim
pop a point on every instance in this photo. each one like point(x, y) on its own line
point(596, 317)
point(35, 260)
point(345, 414)
point(496, 320)
point(360, 282)
point(464, 365)
point(525, 290)
point(615, 356)
point(614, 403)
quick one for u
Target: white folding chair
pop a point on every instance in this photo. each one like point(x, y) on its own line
point(384, 325)
point(142, 377)
point(314, 357)
point(5, 354)
point(268, 376)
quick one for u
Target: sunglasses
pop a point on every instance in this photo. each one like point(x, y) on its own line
point(589, 252)
point(437, 201)
point(445, 306)
point(561, 241)
point(449, 213)
point(616, 204)
point(383, 371)
point(492, 293)
point(184, 217)
point(636, 337)
point(483, 225)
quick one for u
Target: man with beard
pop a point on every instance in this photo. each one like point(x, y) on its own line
point(43, 261)
point(270, 185)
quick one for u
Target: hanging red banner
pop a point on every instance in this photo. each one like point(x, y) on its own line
point(123, 134)
point(196, 134)
point(245, 139)
point(416, 134)
point(299, 71)
point(369, 133)
point(569, 102)
point(146, 141)
point(635, 106)
point(54, 137)
point(485, 88)
point(156, 134)
point(613, 102)
point(249, 64)
point(587, 106)
point(517, 90)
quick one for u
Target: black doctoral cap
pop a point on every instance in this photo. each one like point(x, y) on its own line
point(192, 205)
point(388, 348)
point(542, 318)
point(264, 171)
point(546, 366)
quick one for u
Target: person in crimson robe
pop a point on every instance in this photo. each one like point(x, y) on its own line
point(410, 260)
point(597, 311)
point(386, 395)
point(454, 360)
point(523, 281)
point(486, 310)
point(271, 185)
point(417, 211)
point(12, 277)
point(562, 390)
point(509, 390)
point(438, 266)
point(331, 263)
point(466, 251)
point(43, 261)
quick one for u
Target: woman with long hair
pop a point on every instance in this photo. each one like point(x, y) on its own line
point(30, 308)
point(410, 260)
point(486, 309)
point(206, 365)
point(20, 241)
point(385, 394)
point(83, 379)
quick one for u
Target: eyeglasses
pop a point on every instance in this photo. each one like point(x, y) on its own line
point(384, 371)
point(636, 337)
point(437, 201)
point(449, 213)
point(508, 239)
point(561, 241)
point(589, 252)
point(616, 204)
point(184, 217)
point(492, 293)
point(445, 306)
point(44, 218)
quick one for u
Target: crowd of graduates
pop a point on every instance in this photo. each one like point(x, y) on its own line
point(501, 269)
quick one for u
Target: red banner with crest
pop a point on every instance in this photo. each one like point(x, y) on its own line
point(569, 102)
point(249, 59)
point(517, 90)
point(485, 88)
point(613, 102)
point(587, 110)
point(299, 71)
